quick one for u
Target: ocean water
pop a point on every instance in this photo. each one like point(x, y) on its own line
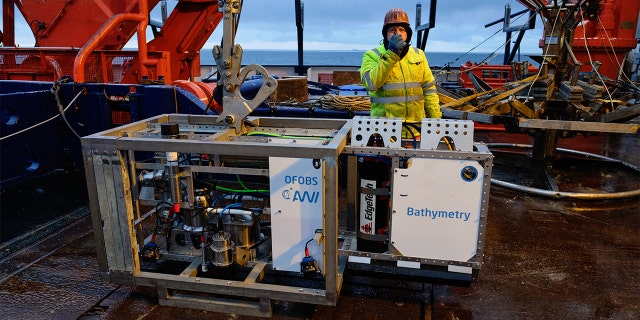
point(352, 58)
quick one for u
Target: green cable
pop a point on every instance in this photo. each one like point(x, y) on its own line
point(275, 135)
point(240, 182)
point(241, 191)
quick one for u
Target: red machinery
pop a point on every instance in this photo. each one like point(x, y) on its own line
point(604, 31)
point(84, 39)
point(608, 38)
point(494, 75)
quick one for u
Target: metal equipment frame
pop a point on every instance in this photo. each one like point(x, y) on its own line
point(391, 262)
point(111, 169)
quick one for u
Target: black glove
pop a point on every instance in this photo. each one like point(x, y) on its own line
point(396, 44)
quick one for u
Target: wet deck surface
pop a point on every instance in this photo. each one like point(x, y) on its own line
point(544, 259)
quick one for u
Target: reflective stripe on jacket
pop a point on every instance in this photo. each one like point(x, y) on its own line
point(400, 88)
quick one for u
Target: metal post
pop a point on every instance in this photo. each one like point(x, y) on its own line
point(506, 24)
point(8, 23)
point(300, 28)
point(418, 22)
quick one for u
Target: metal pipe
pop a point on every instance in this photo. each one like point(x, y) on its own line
point(89, 47)
point(8, 24)
point(300, 29)
point(501, 20)
point(566, 195)
point(422, 30)
point(229, 211)
point(418, 23)
point(432, 13)
point(506, 24)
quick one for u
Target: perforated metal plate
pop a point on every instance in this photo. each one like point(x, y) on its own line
point(459, 134)
point(390, 129)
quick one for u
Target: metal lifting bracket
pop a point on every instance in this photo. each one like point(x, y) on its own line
point(229, 62)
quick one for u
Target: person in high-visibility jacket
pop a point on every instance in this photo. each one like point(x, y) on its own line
point(397, 75)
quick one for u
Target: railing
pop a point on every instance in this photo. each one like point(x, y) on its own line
point(107, 66)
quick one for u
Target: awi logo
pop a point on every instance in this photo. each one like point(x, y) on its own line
point(306, 196)
point(301, 196)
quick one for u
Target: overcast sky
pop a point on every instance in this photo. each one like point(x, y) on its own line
point(357, 24)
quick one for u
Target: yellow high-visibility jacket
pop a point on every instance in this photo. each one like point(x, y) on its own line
point(400, 88)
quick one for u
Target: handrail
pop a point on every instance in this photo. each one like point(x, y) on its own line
point(143, 21)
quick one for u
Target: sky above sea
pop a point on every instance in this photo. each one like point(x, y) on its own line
point(351, 58)
point(459, 25)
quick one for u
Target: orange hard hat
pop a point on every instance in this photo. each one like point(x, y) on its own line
point(396, 16)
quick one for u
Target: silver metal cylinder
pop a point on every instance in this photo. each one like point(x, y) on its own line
point(221, 249)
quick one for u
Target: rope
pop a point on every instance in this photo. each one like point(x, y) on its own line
point(351, 103)
point(329, 102)
point(62, 111)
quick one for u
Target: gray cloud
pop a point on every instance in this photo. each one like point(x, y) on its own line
point(356, 24)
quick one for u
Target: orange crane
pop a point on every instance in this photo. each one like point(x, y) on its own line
point(85, 40)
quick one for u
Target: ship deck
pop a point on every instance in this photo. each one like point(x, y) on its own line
point(544, 259)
